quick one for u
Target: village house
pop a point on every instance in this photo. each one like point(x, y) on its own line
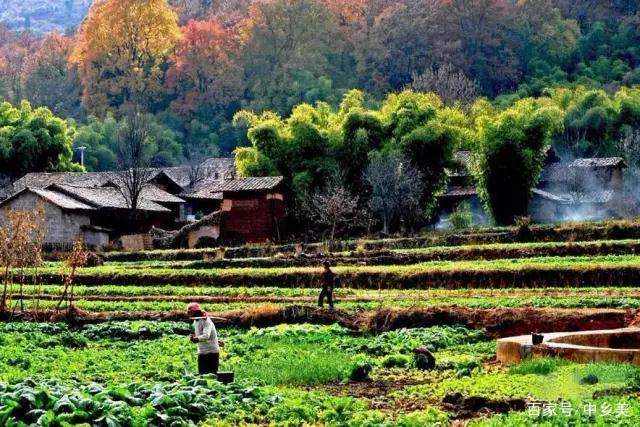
point(584, 188)
point(461, 189)
point(91, 207)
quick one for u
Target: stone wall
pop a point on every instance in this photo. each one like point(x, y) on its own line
point(136, 242)
point(63, 228)
point(96, 239)
point(210, 231)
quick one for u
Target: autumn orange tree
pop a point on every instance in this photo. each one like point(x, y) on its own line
point(121, 49)
point(49, 79)
point(14, 56)
point(204, 71)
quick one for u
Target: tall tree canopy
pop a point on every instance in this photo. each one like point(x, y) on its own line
point(33, 140)
point(121, 51)
point(317, 143)
point(285, 48)
point(512, 150)
point(204, 73)
point(50, 80)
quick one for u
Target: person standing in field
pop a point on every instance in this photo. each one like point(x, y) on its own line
point(328, 282)
point(206, 337)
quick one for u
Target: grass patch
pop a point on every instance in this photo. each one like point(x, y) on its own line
point(542, 366)
point(562, 383)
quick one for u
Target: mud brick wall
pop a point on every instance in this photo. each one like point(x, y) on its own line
point(251, 218)
point(62, 227)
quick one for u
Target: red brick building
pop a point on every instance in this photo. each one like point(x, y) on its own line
point(253, 209)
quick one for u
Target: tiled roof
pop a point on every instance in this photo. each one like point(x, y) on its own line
point(463, 157)
point(215, 167)
point(202, 194)
point(213, 189)
point(246, 184)
point(596, 197)
point(460, 192)
point(555, 172)
point(463, 164)
point(106, 197)
point(600, 162)
point(549, 196)
point(157, 194)
point(43, 180)
point(59, 199)
point(179, 174)
point(561, 172)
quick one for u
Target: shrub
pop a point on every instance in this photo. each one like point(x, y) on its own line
point(424, 361)
point(206, 242)
point(614, 231)
point(361, 371)
point(524, 233)
point(396, 361)
point(94, 260)
point(72, 340)
point(462, 217)
point(590, 379)
point(464, 372)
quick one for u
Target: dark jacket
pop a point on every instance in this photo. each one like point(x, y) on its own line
point(328, 279)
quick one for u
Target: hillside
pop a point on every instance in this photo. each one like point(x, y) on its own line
point(43, 15)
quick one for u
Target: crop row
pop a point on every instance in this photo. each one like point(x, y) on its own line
point(268, 294)
point(534, 272)
point(414, 256)
point(567, 232)
point(149, 381)
point(105, 304)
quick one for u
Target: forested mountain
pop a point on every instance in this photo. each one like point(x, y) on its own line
point(191, 65)
point(43, 16)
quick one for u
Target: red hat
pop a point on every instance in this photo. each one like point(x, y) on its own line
point(194, 306)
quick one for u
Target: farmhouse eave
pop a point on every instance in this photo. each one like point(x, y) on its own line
point(60, 200)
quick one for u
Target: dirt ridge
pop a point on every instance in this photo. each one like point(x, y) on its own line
point(500, 322)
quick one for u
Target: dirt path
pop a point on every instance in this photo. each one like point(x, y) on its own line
point(377, 394)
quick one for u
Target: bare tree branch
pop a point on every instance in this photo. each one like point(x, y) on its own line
point(334, 208)
point(396, 187)
point(450, 84)
point(133, 160)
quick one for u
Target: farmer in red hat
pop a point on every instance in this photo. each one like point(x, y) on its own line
point(206, 337)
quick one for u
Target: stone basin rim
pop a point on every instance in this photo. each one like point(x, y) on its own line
point(517, 348)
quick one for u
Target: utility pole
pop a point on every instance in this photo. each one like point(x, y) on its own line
point(81, 150)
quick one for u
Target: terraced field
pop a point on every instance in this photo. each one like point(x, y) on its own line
point(296, 364)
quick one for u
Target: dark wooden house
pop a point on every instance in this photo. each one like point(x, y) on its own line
point(584, 188)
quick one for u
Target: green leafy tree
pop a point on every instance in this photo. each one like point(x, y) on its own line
point(164, 146)
point(511, 156)
point(430, 149)
point(316, 143)
point(33, 141)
